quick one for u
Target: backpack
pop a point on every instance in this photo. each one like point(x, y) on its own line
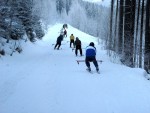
point(65, 32)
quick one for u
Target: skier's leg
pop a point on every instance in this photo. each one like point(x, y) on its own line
point(95, 64)
point(70, 44)
point(73, 44)
point(55, 45)
point(59, 45)
point(76, 51)
point(87, 62)
point(80, 51)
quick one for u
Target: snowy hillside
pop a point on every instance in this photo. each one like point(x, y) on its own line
point(44, 80)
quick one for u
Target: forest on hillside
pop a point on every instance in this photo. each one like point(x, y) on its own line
point(129, 35)
point(124, 26)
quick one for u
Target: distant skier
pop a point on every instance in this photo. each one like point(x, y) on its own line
point(78, 46)
point(72, 40)
point(58, 42)
point(63, 30)
point(91, 56)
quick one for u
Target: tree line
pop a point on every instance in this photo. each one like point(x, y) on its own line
point(129, 36)
point(93, 18)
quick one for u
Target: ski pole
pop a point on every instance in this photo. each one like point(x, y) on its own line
point(78, 61)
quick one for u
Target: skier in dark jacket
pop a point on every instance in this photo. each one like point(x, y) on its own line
point(78, 46)
point(91, 56)
point(58, 42)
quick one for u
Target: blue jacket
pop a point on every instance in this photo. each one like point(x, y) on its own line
point(90, 51)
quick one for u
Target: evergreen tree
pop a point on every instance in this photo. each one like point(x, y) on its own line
point(68, 5)
point(141, 35)
point(129, 32)
point(111, 27)
point(17, 19)
point(137, 28)
point(121, 19)
point(147, 38)
point(60, 6)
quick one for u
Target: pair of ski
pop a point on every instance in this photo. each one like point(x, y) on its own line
point(78, 61)
point(92, 72)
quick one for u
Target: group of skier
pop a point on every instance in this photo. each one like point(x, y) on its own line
point(75, 43)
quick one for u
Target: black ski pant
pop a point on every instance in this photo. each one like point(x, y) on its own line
point(71, 42)
point(78, 47)
point(91, 59)
point(57, 44)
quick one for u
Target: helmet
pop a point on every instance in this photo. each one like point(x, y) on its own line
point(91, 44)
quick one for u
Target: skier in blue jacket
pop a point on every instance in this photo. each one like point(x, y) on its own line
point(91, 56)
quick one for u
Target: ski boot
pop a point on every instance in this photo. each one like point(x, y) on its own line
point(88, 69)
point(97, 70)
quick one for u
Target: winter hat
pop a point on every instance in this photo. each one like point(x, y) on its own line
point(91, 44)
